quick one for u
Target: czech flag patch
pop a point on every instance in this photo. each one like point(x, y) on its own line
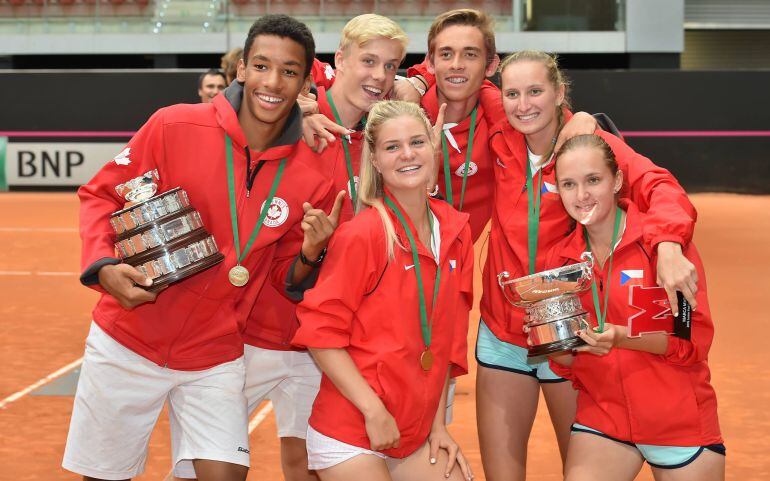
point(548, 187)
point(452, 264)
point(630, 276)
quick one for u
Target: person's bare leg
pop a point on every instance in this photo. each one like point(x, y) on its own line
point(363, 466)
point(294, 460)
point(417, 467)
point(209, 470)
point(506, 404)
point(594, 458)
point(709, 466)
point(561, 400)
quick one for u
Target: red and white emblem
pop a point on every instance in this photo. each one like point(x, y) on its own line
point(277, 213)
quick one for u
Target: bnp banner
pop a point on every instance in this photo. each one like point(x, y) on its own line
point(52, 164)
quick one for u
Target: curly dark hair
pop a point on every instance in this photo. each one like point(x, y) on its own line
point(286, 27)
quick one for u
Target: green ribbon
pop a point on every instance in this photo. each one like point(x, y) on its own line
point(533, 214)
point(468, 156)
point(427, 327)
point(601, 314)
point(231, 191)
point(348, 160)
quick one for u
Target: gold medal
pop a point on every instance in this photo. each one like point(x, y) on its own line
point(238, 276)
point(426, 359)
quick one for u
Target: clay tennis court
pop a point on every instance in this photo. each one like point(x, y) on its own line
point(45, 313)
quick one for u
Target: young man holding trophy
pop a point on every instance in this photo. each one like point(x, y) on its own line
point(260, 194)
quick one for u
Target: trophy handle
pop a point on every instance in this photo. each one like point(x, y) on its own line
point(588, 258)
point(504, 285)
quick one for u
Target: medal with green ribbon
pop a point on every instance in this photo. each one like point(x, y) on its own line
point(239, 275)
point(426, 358)
point(601, 314)
point(468, 156)
point(533, 213)
point(348, 160)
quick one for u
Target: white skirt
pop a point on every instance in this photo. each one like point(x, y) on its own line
point(324, 452)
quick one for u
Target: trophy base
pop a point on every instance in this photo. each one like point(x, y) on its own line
point(558, 346)
point(185, 272)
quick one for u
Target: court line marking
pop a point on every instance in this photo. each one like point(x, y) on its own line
point(40, 382)
point(40, 229)
point(260, 416)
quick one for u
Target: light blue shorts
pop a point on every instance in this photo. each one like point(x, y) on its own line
point(493, 353)
point(665, 457)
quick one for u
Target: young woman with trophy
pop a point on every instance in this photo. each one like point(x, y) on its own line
point(643, 395)
point(387, 319)
point(528, 219)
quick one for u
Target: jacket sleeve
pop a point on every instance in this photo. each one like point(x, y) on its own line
point(422, 69)
point(670, 216)
point(349, 271)
point(491, 101)
point(683, 352)
point(99, 199)
point(322, 74)
point(287, 251)
point(459, 355)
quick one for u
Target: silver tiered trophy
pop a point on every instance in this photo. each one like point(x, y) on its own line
point(550, 298)
point(161, 235)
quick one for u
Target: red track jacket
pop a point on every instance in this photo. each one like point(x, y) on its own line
point(480, 181)
point(638, 396)
point(369, 306)
point(479, 188)
point(194, 324)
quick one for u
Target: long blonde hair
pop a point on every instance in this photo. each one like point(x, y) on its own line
point(371, 187)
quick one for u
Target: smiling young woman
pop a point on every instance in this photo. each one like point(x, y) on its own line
point(645, 398)
point(527, 220)
point(388, 318)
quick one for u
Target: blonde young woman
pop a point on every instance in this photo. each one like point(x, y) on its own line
point(387, 320)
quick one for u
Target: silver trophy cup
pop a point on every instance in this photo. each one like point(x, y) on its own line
point(161, 235)
point(551, 300)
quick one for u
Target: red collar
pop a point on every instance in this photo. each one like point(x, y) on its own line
point(227, 117)
point(326, 109)
point(451, 223)
point(430, 104)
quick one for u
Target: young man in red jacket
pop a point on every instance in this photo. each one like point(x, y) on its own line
point(461, 55)
point(240, 154)
point(371, 49)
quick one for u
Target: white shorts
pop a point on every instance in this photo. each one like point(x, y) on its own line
point(450, 400)
point(120, 395)
point(290, 379)
point(324, 452)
